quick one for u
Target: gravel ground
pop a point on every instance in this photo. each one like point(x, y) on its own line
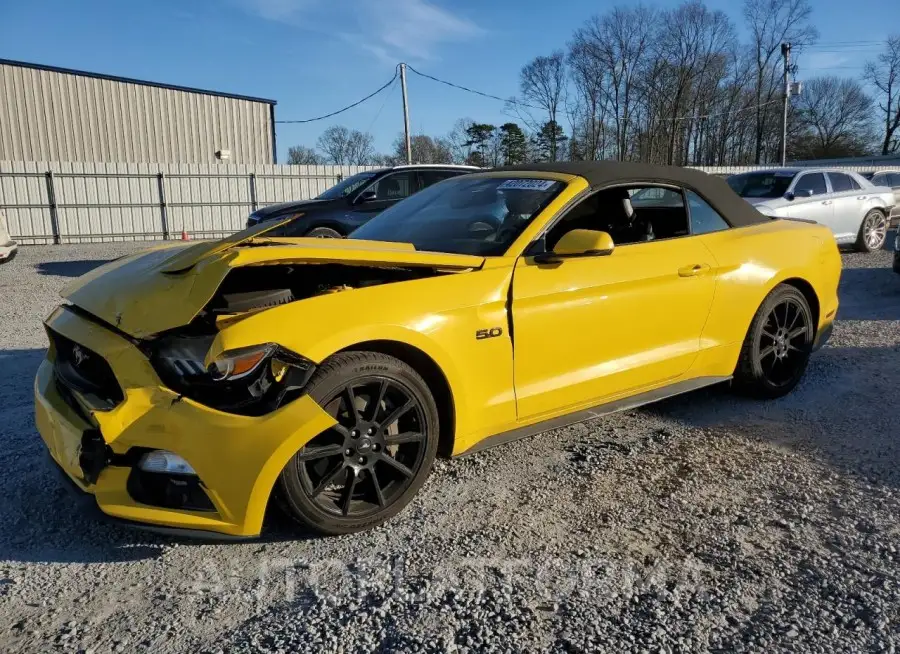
point(707, 522)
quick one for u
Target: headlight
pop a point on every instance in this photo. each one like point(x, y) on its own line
point(239, 363)
point(252, 380)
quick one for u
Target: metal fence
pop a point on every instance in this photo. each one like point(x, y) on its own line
point(76, 203)
point(83, 202)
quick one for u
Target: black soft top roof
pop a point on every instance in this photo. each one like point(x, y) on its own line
point(607, 173)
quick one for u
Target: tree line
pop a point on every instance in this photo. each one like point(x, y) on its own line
point(673, 86)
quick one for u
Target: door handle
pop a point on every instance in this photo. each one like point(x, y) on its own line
point(861, 197)
point(826, 201)
point(693, 271)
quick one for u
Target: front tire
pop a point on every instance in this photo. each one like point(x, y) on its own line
point(366, 468)
point(323, 232)
point(778, 344)
point(872, 232)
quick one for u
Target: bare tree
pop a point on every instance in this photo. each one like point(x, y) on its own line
point(301, 155)
point(607, 53)
point(542, 83)
point(771, 23)
point(458, 139)
point(587, 111)
point(345, 147)
point(884, 74)
point(834, 117)
point(692, 41)
point(425, 150)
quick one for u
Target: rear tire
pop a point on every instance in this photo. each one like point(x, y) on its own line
point(777, 346)
point(872, 232)
point(324, 232)
point(365, 469)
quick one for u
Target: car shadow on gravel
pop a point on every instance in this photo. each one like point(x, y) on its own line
point(836, 414)
point(869, 294)
point(69, 268)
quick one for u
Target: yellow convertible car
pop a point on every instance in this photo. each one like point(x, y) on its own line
point(188, 386)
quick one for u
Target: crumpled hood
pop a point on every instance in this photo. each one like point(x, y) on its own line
point(166, 287)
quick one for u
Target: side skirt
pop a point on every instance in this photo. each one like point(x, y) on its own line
point(623, 404)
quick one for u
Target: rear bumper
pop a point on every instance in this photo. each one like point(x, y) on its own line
point(237, 458)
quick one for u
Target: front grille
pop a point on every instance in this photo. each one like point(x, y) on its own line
point(85, 372)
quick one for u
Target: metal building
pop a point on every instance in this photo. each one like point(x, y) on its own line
point(57, 114)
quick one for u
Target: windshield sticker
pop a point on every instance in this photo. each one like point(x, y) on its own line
point(526, 184)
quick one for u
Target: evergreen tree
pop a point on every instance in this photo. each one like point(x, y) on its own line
point(549, 140)
point(513, 144)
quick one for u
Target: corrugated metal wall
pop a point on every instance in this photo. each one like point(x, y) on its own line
point(93, 202)
point(90, 202)
point(51, 116)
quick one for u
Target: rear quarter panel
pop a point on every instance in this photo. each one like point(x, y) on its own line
point(751, 261)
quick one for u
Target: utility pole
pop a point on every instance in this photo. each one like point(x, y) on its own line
point(405, 114)
point(786, 54)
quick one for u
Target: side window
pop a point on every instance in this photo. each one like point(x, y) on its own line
point(704, 219)
point(636, 214)
point(894, 180)
point(840, 182)
point(395, 186)
point(430, 177)
point(881, 179)
point(814, 182)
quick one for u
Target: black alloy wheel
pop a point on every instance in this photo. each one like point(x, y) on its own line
point(778, 344)
point(365, 468)
point(785, 342)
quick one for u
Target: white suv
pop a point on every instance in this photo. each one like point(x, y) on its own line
point(8, 246)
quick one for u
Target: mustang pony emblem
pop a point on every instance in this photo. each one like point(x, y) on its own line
point(79, 355)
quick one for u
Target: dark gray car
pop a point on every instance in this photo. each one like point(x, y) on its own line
point(355, 200)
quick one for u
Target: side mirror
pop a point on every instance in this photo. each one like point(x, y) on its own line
point(579, 243)
point(366, 196)
point(789, 196)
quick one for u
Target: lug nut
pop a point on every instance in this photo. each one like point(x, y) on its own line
point(370, 431)
point(362, 459)
point(354, 434)
point(349, 452)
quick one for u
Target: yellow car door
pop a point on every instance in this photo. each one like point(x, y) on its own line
point(593, 328)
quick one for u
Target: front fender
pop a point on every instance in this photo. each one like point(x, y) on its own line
point(438, 316)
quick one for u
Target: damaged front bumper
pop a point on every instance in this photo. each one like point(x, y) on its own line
point(237, 458)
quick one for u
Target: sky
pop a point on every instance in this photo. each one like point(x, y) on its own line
point(316, 56)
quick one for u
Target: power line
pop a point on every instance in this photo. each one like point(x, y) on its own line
point(347, 108)
point(383, 104)
point(718, 115)
point(468, 90)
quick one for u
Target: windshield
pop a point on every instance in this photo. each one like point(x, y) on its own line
point(761, 185)
point(465, 215)
point(347, 186)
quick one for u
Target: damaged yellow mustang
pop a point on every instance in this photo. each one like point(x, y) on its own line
point(187, 386)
